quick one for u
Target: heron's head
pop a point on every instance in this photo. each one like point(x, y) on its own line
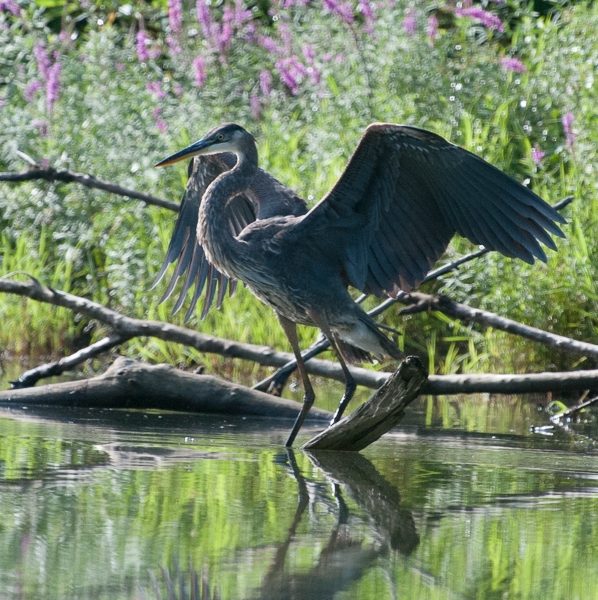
point(229, 137)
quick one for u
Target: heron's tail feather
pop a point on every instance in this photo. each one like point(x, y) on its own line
point(365, 336)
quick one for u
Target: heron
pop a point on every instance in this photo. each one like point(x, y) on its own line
point(403, 195)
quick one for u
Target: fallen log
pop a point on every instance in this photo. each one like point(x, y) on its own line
point(134, 385)
point(379, 414)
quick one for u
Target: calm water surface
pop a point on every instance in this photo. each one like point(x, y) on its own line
point(461, 501)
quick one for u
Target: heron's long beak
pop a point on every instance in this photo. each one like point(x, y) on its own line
point(192, 150)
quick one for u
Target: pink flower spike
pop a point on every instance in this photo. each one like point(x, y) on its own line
point(53, 86)
point(568, 119)
point(30, 90)
point(487, 19)
point(266, 83)
point(537, 154)
point(175, 15)
point(199, 66)
point(42, 59)
point(142, 41)
point(409, 25)
point(512, 64)
point(432, 30)
point(256, 108)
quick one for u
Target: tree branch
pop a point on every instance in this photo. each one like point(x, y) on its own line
point(68, 176)
point(31, 377)
point(424, 302)
point(127, 328)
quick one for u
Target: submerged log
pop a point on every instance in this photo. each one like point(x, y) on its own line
point(135, 385)
point(379, 414)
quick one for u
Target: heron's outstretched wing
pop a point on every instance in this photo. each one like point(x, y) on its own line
point(403, 195)
point(266, 197)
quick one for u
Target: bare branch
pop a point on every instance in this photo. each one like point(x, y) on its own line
point(31, 377)
point(445, 305)
point(566, 414)
point(68, 176)
point(128, 327)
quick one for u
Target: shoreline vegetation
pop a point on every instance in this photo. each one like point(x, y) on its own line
point(107, 89)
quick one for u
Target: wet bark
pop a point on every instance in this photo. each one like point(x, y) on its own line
point(135, 385)
point(379, 414)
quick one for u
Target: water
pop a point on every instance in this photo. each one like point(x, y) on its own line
point(462, 501)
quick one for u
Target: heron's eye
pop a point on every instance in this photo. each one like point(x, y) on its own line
point(220, 137)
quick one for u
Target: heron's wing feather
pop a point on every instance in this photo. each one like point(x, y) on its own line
point(403, 195)
point(264, 198)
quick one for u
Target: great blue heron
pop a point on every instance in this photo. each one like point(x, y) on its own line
point(387, 220)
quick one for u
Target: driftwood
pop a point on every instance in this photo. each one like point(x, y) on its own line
point(379, 414)
point(135, 385)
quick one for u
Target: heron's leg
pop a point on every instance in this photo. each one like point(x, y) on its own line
point(350, 384)
point(275, 383)
point(290, 330)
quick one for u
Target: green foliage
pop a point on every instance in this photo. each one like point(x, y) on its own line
point(108, 122)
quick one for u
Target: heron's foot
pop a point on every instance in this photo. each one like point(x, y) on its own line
point(308, 402)
point(350, 388)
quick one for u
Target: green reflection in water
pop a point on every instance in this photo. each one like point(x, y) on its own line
point(102, 504)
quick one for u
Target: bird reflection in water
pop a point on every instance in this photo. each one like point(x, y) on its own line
point(346, 558)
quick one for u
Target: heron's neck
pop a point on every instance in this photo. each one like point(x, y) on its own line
point(214, 229)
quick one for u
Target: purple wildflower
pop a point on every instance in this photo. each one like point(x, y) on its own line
point(203, 16)
point(175, 15)
point(173, 45)
point(512, 64)
point(199, 66)
point(409, 25)
point(269, 44)
point(119, 67)
point(292, 71)
point(266, 83)
point(160, 123)
point(537, 154)
point(256, 108)
point(487, 19)
point(11, 6)
point(326, 57)
point(223, 40)
point(42, 59)
point(568, 127)
point(367, 10)
point(342, 10)
point(241, 15)
point(64, 37)
point(339, 58)
point(53, 86)
point(177, 88)
point(308, 53)
point(156, 88)
point(432, 30)
point(286, 37)
point(142, 41)
point(42, 126)
point(30, 90)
